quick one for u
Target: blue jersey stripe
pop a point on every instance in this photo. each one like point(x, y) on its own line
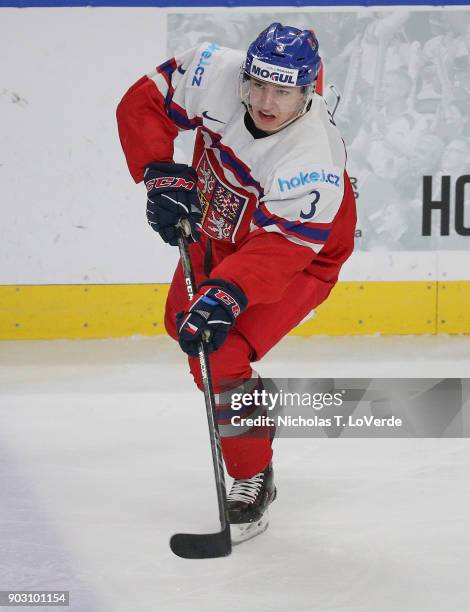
point(295, 227)
point(228, 158)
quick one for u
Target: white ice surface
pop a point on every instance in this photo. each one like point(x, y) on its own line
point(104, 454)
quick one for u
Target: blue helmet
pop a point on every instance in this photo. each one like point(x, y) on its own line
point(284, 55)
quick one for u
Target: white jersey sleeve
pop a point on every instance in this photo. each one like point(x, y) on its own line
point(184, 83)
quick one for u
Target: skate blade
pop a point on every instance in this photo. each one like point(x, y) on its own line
point(242, 532)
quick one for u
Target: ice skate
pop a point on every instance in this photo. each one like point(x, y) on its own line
point(248, 503)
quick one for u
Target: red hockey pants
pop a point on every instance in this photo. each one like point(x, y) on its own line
point(256, 331)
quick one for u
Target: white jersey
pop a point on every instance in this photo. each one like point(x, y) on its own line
point(273, 205)
point(295, 174)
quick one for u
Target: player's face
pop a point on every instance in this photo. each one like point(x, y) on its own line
point(272, 105)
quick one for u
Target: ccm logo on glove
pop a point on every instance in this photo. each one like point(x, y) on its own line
point(229, 300)
point(169, 181)
point(172, 197)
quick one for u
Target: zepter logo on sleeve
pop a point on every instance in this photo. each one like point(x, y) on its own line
point(202, 65)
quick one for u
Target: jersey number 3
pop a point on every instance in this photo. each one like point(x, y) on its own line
point(313, 207)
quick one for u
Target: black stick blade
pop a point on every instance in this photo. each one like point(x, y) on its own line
point(202, 545)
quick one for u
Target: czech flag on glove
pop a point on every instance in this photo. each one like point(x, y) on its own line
point(210, 316)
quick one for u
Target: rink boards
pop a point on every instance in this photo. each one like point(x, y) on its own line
point(100, 311)
point(77, 259)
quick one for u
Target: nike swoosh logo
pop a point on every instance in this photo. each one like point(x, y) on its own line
point(180, 70)
point(206, 116)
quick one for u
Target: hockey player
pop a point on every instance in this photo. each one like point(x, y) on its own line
point(271, 212)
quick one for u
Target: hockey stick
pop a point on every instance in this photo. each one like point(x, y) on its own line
point(338, 99)
point(219, 544)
